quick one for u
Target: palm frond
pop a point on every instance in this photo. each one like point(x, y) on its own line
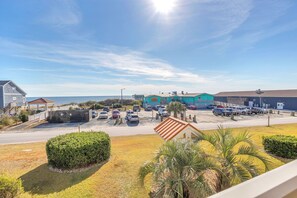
point(254, 153)
point(146, 169)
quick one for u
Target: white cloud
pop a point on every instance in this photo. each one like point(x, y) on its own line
point(79, 88)
point(121, 60)
point(87, 89)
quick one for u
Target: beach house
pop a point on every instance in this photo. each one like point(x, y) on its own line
point(200, 100)
point(11, 95)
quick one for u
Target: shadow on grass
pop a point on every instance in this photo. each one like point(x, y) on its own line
point(43, 181)
point(58, 125)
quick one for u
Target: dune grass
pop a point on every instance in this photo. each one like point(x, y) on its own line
point(116, 178)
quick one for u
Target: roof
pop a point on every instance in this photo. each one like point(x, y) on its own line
point(4, 82)
point(171, 127)
point(41, 101)
point(186, 94)
point(266, 93)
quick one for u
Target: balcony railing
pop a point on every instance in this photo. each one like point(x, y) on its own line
point(280, 182)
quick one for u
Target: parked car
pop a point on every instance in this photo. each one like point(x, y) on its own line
point(148, 108)
point(222, 111)
point(192, 107)
point(106, 108)
point(220, 106)
point(116, 114)
point(246, 110)
point(259, 110)
point(161, 109)
point(156, 107)
point(94, 114)
point(235, 110)
point(164, 114)
point(103, 115)
point(128, 113)
point(136, 108)
point(133, 118)
point(211, 106)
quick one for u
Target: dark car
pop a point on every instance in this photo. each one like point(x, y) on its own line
point(156, 107)
point(222, 111)
point(148, 108)
point(192, 107)
point(211, 106)
point(116, 114)
point(106, 108)
point(218, 111)
point(94, 114)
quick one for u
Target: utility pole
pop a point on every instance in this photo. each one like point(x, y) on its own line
point(122, 95)
point(259, 92)
point(268, 118)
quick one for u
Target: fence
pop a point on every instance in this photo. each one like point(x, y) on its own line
point(39, 116)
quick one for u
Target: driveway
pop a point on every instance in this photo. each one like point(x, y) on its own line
point(43, 134)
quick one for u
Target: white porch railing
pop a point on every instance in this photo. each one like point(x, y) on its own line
point(280, 182)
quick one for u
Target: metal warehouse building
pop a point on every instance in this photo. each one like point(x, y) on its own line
point(276, 99)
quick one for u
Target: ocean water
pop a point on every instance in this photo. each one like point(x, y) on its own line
point(77, 99)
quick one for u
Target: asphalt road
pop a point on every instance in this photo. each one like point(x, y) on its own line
point(43, 134)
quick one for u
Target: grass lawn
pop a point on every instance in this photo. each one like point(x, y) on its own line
point(116, 178)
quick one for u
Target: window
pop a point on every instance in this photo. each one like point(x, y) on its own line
point(13, 88)
point(13, 98)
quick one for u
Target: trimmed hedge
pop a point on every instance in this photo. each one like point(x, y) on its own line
point(10, 187)
point(78, 150)
point(281, 145)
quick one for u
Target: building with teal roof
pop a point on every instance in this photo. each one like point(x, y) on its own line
point(200, 100)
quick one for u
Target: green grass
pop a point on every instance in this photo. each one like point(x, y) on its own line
point(116, 178)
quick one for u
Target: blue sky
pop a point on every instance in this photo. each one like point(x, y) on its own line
point(97, 47)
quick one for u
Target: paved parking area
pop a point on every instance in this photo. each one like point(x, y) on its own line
point(148, 120)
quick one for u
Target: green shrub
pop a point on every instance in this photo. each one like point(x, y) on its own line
point(24, 116)
point(10, 187)
point(6, 121)
point(97, 106)
point(281, 145)
point(117, 105)
point(78, 150)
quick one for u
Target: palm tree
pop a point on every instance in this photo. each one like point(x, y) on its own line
point(180, 170)
point(237, 157)
point(175, 107)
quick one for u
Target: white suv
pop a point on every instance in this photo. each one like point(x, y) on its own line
point(133, 118)
point(163, 112)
